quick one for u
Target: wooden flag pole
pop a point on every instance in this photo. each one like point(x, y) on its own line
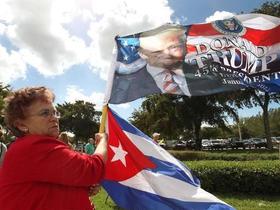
point(102, 128)
point(103, 119)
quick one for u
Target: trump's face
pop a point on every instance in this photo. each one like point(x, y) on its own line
point(173, 48)
point(166, 50)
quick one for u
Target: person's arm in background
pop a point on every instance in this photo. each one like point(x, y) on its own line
point(3, 150)
point(86, 149)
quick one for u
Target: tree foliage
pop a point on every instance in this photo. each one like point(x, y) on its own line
point(180, 116)
point(269, 8)
point(263, 99)
point(157, 114)
point(255, 127)
point(4, 91)
point(80, 117)
point(250, 127)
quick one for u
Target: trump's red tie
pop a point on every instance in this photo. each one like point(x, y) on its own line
point(169, 85)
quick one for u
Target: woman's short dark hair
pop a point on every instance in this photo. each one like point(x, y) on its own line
point(18, 101)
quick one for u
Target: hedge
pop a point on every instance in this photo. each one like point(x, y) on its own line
point(226, 155)
point(253, 177)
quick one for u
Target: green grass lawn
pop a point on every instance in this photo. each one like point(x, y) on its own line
point(100, 201)
point(251, 202)
point(240, 202)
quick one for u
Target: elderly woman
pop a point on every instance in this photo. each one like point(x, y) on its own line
point(39, 171)
point(63, 136)
point(3, 148)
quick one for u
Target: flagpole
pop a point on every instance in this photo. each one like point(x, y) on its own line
point(102, 128)
point(103, 118)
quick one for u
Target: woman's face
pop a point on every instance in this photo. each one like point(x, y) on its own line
point(41, 119)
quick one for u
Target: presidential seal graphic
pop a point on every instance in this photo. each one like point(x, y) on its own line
point(230, 26)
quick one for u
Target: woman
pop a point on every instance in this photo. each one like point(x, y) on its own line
point(39, 171)
point(63, 136)
point(3, 150)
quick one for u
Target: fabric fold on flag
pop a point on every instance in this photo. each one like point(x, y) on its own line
point(142, 175)
point(224, 55)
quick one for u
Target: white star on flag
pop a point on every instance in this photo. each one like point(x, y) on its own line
point(125, 58)
point(125, 43)
point(119, 154)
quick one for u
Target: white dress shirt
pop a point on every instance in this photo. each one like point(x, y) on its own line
point(159, 75)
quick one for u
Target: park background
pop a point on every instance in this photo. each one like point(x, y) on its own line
point(67, 47)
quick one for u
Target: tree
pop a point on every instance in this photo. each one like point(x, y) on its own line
point(157, 114)
point(4, 91)
point(269, 8)
point(263, 99)
point(275, 121)
point(81, 118)
point(174, 116)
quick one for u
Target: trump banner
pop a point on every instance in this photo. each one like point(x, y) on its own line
point(200, 59)
point(141, 175)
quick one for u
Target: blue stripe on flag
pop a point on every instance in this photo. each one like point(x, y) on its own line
point(149, 201)
point(125, 126)
point(163, 167)
point(169, 169)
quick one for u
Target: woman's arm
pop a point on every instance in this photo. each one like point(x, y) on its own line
point(101, 142)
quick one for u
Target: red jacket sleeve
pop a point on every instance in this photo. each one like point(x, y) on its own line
point(45, 159)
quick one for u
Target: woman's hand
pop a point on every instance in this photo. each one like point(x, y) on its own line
point(99, 137)
point(94, 189)
point(101, 140)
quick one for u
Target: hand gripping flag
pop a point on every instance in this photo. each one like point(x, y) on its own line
point(224, 55)
point(142, 175)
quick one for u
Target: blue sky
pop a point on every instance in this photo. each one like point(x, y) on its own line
point(67, 44)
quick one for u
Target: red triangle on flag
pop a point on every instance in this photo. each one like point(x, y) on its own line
point(124, 159)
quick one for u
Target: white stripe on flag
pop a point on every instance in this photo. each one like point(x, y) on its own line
point(168, 187)
point(151, 149)
point(259, 21)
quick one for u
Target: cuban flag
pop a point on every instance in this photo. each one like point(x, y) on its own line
point(142, 175)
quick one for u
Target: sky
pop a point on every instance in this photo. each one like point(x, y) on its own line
point(67, 45)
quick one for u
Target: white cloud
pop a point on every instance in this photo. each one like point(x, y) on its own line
point(181, 20)
point(2, 28)
point(111, 18)
point(124, 106)
point(74, 93)
point(38, 29)
point(5, 13)
point(219, 15)
point(12, 66)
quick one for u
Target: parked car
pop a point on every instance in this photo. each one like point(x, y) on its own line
point(216, 144)
point(170, 144)
point(162, 143)
point(259, 143)
point(275, 142)
point(236, 143)
point(205, 144)
point(181, 145)
point(191, 144)
point(249, 143)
